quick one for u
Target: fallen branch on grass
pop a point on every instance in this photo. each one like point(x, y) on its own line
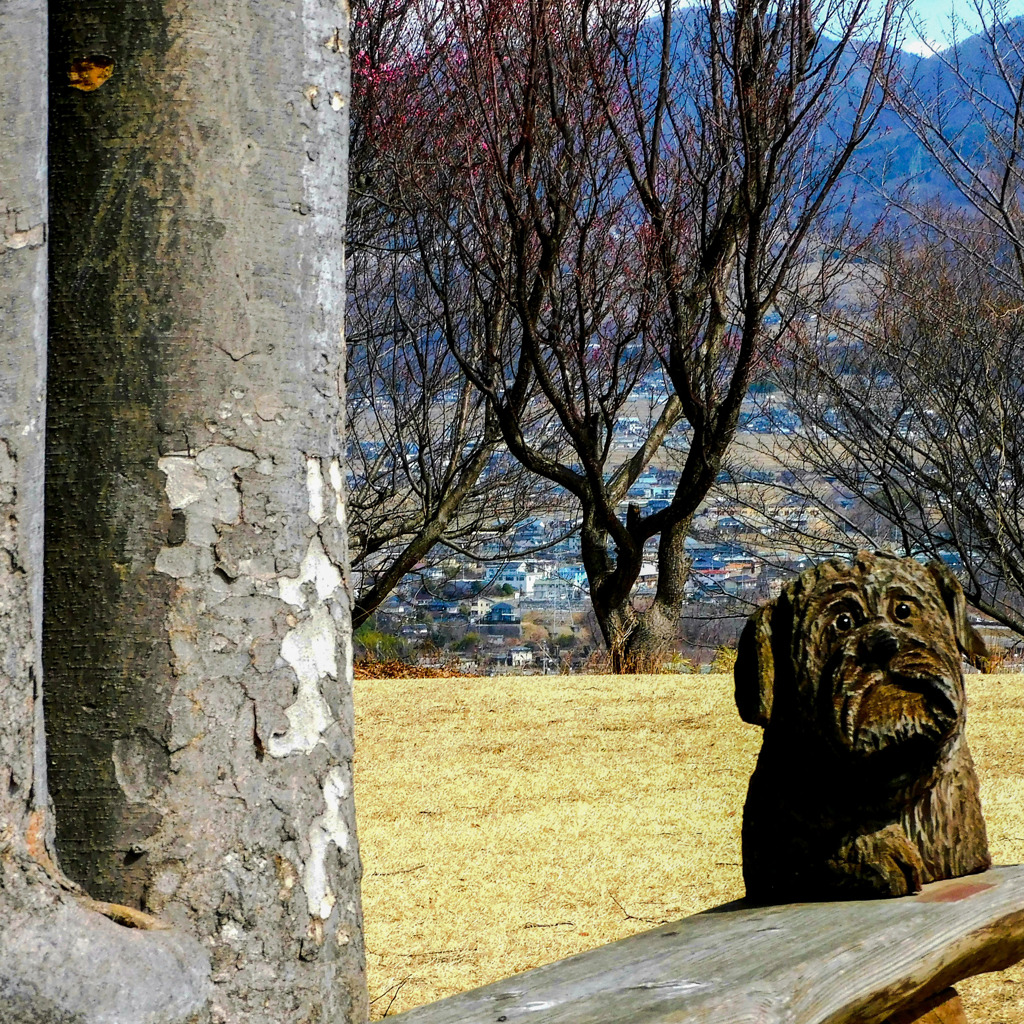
point(400, 871)
point(395, 989)
point(633, 917)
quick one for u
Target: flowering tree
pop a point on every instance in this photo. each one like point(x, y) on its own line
point(428, 468)
point(605, 206)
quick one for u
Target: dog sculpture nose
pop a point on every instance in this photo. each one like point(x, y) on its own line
point(882, 646)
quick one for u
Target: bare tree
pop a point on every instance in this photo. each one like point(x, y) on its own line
point(913, 405)
point(603, 201)
point(428, 470)
point(915, 415)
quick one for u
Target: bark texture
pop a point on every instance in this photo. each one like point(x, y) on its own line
point(61, 961)
point(22, 414)
point(197, 624)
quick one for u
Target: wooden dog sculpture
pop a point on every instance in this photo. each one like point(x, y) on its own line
point(864, 786)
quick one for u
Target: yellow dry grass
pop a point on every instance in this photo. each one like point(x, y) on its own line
point(508, 822)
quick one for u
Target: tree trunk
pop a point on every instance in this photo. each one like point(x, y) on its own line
point(637, 638)
point(656, 628)
point(197, 633)
point(60, 960)
point(611, 580)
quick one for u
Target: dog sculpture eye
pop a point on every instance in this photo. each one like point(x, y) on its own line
point(844, 622)
point(902, 610)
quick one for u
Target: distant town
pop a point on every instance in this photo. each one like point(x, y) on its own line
point(767, 520)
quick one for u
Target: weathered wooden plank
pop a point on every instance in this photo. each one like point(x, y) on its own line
point(812, 963)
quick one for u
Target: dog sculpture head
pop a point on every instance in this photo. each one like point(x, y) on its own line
point(865, 654)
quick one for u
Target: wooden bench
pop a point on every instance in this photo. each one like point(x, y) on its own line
point(858, 962)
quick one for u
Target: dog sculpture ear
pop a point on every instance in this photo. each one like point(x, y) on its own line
point(754, 672)
point(967, 637)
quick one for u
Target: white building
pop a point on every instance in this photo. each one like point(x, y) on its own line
point(519, 577)
point(553, 589)
point(477, 607)
point(520, 656)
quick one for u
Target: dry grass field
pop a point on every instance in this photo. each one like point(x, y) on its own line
point(508, 822)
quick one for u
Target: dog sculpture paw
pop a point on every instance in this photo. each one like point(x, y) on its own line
point(882, 863)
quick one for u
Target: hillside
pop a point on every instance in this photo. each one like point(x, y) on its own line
point(893, 162)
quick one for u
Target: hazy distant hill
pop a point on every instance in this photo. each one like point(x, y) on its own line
point(893, 161)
